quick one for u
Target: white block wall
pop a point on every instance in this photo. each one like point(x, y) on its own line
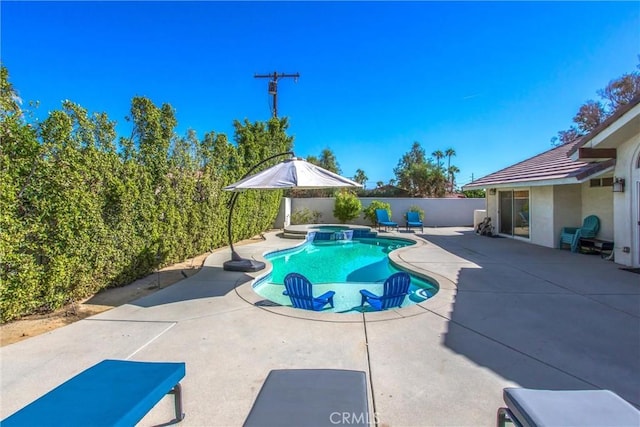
point(438, 212)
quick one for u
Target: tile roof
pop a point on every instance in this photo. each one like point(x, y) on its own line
point(553, 164)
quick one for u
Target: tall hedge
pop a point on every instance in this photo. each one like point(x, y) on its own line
point(81, 210)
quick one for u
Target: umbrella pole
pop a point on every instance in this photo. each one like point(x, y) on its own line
point(237, 263)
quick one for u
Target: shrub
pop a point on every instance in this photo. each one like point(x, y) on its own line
point(370, 211)
point(347, 206)
point(305, 216)
point(80, 212)
point(474, 194)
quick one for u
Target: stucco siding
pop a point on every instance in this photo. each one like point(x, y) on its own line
point(626, 205)
point(541, 216)
point(567, 208)
point(598, 201)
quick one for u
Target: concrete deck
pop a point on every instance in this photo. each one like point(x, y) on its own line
point(508, 314)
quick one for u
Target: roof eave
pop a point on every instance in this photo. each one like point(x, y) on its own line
point(576, 179)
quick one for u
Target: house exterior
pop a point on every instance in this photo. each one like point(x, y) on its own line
point(599, 174)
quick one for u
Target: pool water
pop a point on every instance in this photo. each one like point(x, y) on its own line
point(344, 267)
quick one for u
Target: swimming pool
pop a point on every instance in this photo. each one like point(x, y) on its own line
point(344, 267)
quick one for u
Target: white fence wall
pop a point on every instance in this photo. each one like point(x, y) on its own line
point(437, 212)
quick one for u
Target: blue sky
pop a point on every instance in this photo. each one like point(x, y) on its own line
point(495, 81)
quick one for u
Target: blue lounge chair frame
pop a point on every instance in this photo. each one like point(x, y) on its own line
point(110, 393)
point(382, 218)
point(300, 290)
point(413, 220)
point(585, 408)
point(572, 235)
point(396, 288)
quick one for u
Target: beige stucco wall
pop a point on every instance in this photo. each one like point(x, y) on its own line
point(567, 208)
point(625, 205)
point(598, 201)
point(551, 208)
point(541, 225)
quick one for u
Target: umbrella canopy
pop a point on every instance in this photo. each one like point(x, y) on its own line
point(292, 173)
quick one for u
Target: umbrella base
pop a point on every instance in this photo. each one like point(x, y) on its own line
point(245, 265)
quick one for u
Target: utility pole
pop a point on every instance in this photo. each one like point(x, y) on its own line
point(273, 86)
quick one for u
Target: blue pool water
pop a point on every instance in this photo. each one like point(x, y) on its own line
point(344, 267)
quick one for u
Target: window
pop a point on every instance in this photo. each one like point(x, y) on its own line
point(601, 182)
point(607, 182)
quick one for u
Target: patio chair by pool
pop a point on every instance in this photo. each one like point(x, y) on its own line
point(110, 393)
point(571, 235)
point(382, 217)
point(300, 291)
point(396, 288)
point(413, 220)
point(585, 408)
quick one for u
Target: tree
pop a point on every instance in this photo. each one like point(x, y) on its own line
point(438, 155)
point(591, 114)
point(402, 171)
point(329, 162)
point(621, 91)
point(475, 194)
point(9, 99)
point(452, 171)
point(419, 177)
point(360, 177)
point(450, 152)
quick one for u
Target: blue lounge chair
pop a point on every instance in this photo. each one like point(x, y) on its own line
point(413, 220)
point(111, 393)
point(396, 288)
point(572, 235)
point(300, 291)
point(586, 408)
point(382, 217)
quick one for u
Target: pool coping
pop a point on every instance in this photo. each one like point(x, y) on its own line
point(245, 290)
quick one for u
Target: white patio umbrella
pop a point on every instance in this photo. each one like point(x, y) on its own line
point(290, 173)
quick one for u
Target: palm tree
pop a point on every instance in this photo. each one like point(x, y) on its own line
point(361, 177)
point(328, 161)
point(438, 155)
point(450, 152)
point(453, 170)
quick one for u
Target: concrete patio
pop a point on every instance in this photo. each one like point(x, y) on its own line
point(507, 314)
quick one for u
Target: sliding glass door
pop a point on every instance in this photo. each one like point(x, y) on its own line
point(513, 212)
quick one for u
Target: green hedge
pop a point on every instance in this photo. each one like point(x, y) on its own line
point(80, 211)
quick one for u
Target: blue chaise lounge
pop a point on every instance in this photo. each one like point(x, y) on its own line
point(110, 393)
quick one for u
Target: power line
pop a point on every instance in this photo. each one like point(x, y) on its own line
point(273, 86)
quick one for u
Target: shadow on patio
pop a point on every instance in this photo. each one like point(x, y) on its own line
point(543, 318)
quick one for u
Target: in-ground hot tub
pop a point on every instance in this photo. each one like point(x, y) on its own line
point(327, 231)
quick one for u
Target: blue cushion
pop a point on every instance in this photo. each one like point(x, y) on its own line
point(111, 393)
